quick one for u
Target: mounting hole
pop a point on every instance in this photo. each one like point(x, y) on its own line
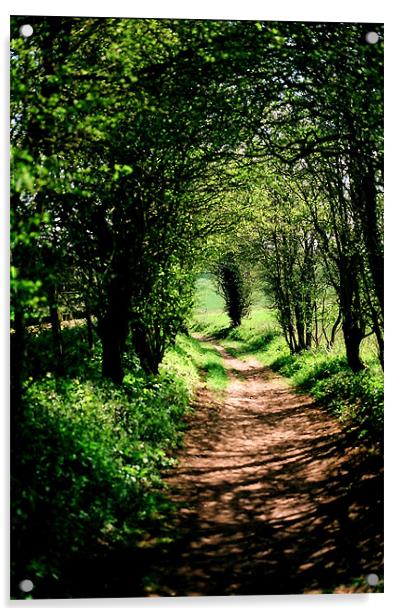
point(372, 579)
point(26, 30)
point(372, 37)
point(26, 585)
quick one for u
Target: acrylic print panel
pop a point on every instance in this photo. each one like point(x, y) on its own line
point(197, 325)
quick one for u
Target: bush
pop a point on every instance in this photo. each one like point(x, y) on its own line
point(87, 467)
point(357, 399)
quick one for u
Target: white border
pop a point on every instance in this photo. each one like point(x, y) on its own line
point(337, 10)
point(340, 10)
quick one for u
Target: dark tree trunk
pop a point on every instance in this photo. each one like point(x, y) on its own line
point(113, 334)
point(113, 330)
point(377, 318)
point(334, 330)
point(378, 331)
point(56, 330)
point(379, 339)
point(300, 328)
point(150, 354)
point(285, 333)
point(286, 320)
point(350, 308)
point(352, 339)
point(308, 281)
point(366, 209)
point(308, 337)
point(315, 313)
point(294, 348)
point(17, 348)
point(371, 233)
point(111, 354)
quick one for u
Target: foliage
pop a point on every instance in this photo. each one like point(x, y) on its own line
point(356, 399)
point(124, 187)
point(130, 199)
point(284, 242)
point(235, 287)
point(143, 151)
point(152, 333)
point(91, 460)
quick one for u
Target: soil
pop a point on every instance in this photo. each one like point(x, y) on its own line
point(272, 496)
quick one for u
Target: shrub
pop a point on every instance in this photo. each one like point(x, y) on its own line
point(87, 467)
point(357, 399)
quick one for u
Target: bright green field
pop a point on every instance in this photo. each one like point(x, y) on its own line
point(207, 298)
point(209, 302)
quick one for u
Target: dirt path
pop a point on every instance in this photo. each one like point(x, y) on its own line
point(272, 497)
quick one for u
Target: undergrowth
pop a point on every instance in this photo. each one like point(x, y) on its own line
point(88, 457)
point(206, 359)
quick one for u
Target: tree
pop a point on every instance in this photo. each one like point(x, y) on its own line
point(282, 243)
point(128, 196)
point(328, 121)
point(235, 287)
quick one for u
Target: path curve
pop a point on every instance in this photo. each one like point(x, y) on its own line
point(272, 497)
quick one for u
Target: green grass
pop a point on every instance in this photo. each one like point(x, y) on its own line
point(204, 359)
point(357, 400)
point(209, 304)
point(255, 332)
point(91, 455)
point(207, 297)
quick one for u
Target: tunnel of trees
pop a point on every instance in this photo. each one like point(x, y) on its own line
point(145, 151)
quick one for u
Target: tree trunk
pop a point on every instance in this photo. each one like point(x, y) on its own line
point(56, 330)
point(300, 328)
point(113, 330)
point(292, 338)
point(352, 338)
point(113, 334)
point(89, 329)
point(334, 330)
point(111, 354)
point(150, 355)
point(309, 336)
point(309, 284)
point(352, 318)
point(379, 339)
point(371, 233)
point(366, 209)
point(315, 313)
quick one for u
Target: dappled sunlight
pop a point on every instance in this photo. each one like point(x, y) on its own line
point(273, 501)
point(221, 177)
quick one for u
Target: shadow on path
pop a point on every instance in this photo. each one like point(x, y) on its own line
point(272, 497)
